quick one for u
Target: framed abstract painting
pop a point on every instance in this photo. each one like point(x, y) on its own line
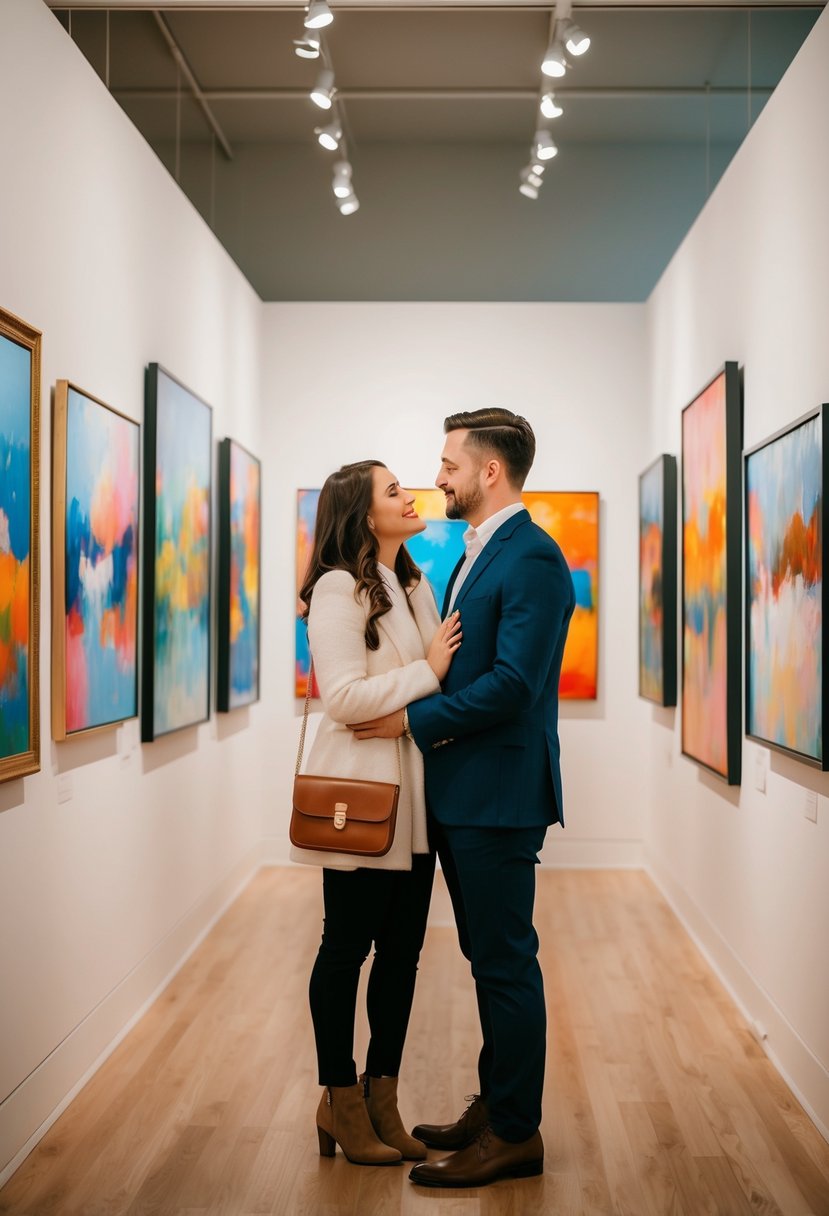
point(786, 528)
point(572, 518)
point(657, 581)
point(95, 512)
point(175, 660)
point(19, 547)
point(711, 576)
point(237, 668)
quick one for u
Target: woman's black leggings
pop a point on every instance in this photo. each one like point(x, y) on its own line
point(388, 908)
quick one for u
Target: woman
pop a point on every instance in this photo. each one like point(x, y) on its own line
point(377, 643)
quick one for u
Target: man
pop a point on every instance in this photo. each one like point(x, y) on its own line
point(493, 783)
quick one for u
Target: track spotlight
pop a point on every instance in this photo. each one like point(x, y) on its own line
point(543, 146)
point(308, 47)
point(549, 106)
point(575, 39)
point(342, 179)
point(528, 190)
point(329, 136)
point(318, 15)
point(349, 204)
point(534, 179)
point(538, 168)
point(554, 62)
point(323, 90)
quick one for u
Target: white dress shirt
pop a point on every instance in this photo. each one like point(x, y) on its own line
point(474, 540)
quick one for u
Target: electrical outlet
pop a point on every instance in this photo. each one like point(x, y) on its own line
point(810, 808)
point(761, 768)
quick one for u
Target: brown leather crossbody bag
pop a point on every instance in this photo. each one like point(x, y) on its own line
point(340, 814)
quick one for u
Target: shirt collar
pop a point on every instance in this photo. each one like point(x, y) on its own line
point(491, 525)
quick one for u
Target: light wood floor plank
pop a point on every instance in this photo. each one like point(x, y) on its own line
point(658, 1101)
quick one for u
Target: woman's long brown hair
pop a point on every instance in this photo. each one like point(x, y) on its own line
point(344, 541)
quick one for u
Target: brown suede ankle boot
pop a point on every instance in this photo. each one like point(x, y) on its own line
point(381, 1102)
point(342, 1118)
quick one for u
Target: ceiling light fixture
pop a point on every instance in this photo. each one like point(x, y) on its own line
point(318, 15)
point(308, 47)
point(342, 179)
point(329, 137)
point(549, 106)
point(349, 204)
point(575, 39)
point(535, 179)
point(528, 190)
point(322, 93)
point(554, 62)
point(543, 146)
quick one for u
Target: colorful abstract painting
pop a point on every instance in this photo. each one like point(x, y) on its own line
point(177, 497)
point(239, 576)
point(571, 518)
point(19, 422)
point(657, 582)
point(94, 564)
point(785, 479)
point(711, 576)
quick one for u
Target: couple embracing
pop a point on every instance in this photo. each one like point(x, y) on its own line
point(472, 698)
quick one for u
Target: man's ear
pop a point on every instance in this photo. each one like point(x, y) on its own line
point(492, 472)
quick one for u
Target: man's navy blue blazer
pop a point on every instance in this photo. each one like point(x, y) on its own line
point(490, 738)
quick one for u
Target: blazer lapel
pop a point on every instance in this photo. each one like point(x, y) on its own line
point(426, 613)
point(492, 549)
point(451, 584)
point(385, 625)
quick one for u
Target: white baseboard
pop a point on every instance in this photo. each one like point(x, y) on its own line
point(802, 1071)
point(31, 1109)
point(560, 853)
point(563, 853)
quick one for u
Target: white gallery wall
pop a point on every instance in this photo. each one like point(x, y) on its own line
point(347, 382)
point(115, 857)
point(747, 869)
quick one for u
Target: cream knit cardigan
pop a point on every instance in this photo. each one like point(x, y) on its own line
point(357, 684)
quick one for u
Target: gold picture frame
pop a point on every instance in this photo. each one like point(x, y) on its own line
point(20, 355)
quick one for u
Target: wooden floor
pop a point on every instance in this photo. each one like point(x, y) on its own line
point(658, 1101)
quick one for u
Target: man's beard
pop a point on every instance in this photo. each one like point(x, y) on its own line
point(461, 506)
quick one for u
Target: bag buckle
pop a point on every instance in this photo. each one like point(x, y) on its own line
point(340, 809)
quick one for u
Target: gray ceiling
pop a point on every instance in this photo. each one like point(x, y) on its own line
point(439, 105)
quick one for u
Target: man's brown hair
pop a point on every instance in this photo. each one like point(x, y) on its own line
point(501, 434)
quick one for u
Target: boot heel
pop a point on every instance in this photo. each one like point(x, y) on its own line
point(328, 1145)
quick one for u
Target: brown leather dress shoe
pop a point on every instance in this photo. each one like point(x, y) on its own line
point(486, 1160)
point(452, 1136)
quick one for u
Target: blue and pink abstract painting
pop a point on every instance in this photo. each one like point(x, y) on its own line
point(15, 541)
point(179, 464)
point(239, 576)
point(100, 564)
point(784, 534)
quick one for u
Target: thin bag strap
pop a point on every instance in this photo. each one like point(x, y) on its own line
point(304, 728)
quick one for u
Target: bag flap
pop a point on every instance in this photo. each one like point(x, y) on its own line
point(364, 801)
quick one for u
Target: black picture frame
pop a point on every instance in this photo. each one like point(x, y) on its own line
point(164, 394)
point(229, 698)
point(662, 689)
point(726, 388)
point(819, 521)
